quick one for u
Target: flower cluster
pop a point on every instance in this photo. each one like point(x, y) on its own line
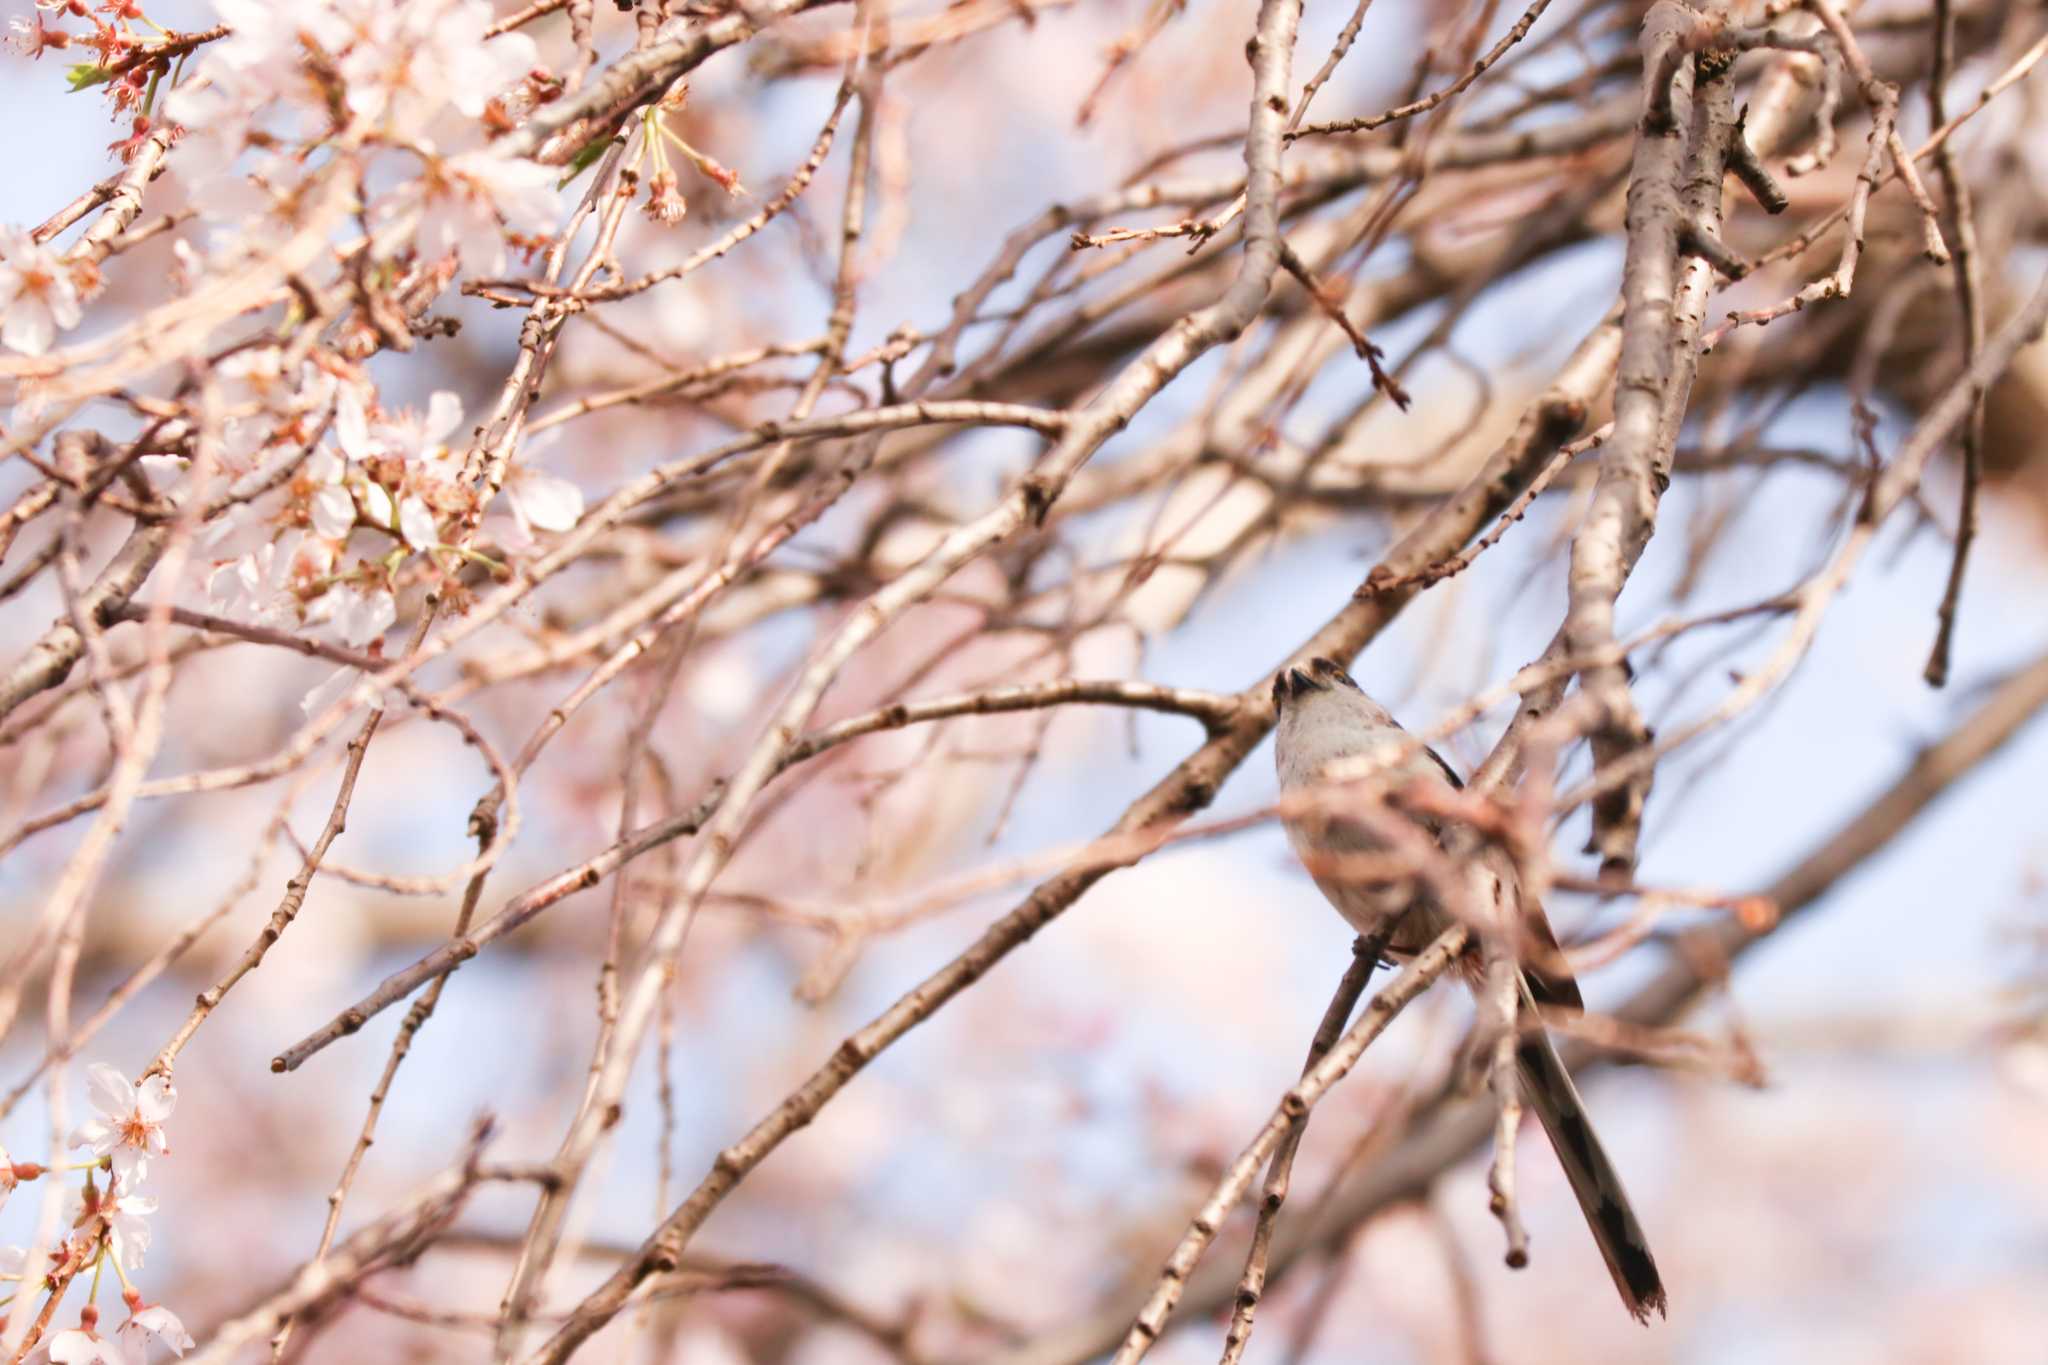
point(352, 501)
point(260, 112)
point(109, 1221)
point(389, 483)
point(416, 80)
point(117, 36)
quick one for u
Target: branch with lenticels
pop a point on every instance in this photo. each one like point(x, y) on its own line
point(1683, 141)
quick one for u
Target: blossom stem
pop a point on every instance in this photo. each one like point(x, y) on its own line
point(119, 1273)
point(476, 556)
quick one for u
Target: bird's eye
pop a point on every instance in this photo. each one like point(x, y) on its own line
point(1332, 671)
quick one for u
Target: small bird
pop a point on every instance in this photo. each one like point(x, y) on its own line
point(1325, 721)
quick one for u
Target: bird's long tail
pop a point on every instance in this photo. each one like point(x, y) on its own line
point(1547, 1088)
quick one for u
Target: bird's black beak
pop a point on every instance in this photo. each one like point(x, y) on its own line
point(1318, 675)
point(1290, 684)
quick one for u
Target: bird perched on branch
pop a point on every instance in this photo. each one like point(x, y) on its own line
point(1330, 732)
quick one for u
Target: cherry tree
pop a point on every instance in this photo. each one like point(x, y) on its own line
point(583, 582)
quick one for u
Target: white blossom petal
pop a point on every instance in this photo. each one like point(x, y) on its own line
point(27, 327)
point(376, 503)
point(328, 692)
point(416, 523)
point(127, 1221)
point(551, 503)
point(351, 427)
point(162, 469)
point(155, 1098)
point(131, 1165)
point(324, 466)
point(95, 1134)
point(363, 616)
point(334, 512)
point(153, 1321)
point(75, 1347)
point(444, 414)
point(310, 558)
point(522, 192)
point(223, 584)
point(512, 533)
point(108, 1091)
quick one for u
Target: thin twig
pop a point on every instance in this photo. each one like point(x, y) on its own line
point(1365, 956)
point(1413, 980)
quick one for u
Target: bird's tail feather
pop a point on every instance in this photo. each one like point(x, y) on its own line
point(1547, 1088)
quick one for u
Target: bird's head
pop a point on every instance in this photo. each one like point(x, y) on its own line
point(1324, 716)
point(1299, 681)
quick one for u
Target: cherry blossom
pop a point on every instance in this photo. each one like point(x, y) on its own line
point(416, 441)
point(150, 1321)
point(37, 295)
point(79, 1346)
point(125, 1214)
point(407, 62)
point(31, 37)
point(256, 87)
point(352, 426)
point(269, 85)
point(127, 1222)
point(376, 503)
point(413, 441)
point(340, 489)
point(266, 43)
point(333, 507)
point(256, 583)
point(359, 613)
point(237, 201)
point(337, 685)
point(238, 452)
point(365, 614)
point(466, 203)
point(408, 437)
point(416, 523)
point(83, 1345)
point(542, 500)
point(130, 1126)
point(665, 201)
point(259, 379)
point(215, 115)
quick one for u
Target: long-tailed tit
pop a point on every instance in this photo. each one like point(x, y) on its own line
point(1330, 730)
